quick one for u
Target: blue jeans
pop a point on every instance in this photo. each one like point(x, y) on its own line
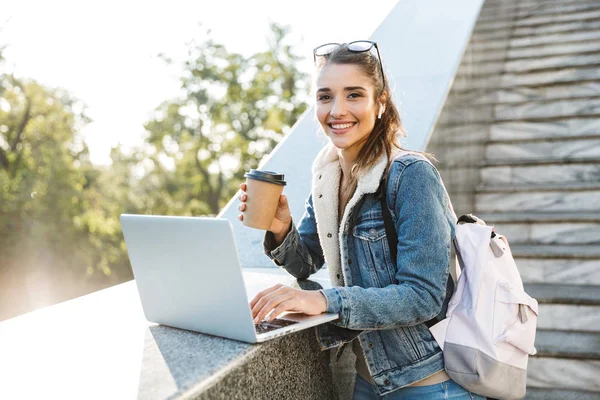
point(440, 391)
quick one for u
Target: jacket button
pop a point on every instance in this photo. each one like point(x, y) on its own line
point(371, 345)
point(320, 176)
point(338, 276)
point(386, 382)
point(320, 195)
point(329, 235)
point(349, 261)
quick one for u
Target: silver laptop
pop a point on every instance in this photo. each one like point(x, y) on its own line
point(189, 276)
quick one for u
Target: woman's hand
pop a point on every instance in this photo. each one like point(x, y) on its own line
point(282, 223)
point(281, 298)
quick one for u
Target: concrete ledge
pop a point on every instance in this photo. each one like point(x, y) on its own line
point(291, 367)
point(100, 346)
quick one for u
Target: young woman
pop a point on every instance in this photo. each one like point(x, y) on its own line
point(384, 304)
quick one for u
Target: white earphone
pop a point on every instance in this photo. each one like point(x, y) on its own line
point(381, 110)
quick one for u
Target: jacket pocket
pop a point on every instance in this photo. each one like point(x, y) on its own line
point(515, 318)
point(371, 242)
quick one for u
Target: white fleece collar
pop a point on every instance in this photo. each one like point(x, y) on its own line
point(326, 171)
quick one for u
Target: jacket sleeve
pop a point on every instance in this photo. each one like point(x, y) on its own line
point(300, 253)
point(424, 241)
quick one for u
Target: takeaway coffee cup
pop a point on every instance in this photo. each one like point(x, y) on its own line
point(263, 189)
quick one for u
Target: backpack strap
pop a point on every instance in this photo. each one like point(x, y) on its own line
point(392, 238)
point(390, 229)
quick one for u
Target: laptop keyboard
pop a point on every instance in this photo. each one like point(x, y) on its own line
point(277, 323)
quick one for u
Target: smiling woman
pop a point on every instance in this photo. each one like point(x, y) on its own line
point(351, 90)
point(384, 303)
point(341, 108)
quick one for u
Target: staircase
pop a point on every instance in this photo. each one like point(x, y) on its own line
point(518, 142)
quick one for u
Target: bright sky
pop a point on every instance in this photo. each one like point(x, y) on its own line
point(105, 53)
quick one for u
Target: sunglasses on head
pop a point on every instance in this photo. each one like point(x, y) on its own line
point(358, 46)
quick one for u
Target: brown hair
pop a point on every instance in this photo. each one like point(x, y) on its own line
point(387, 129)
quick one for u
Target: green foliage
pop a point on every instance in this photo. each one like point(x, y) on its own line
point(233, 111)
point(39, 159)
point(58, 234)
point(59, 223)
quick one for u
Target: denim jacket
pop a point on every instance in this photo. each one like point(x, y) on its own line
point(383, 302)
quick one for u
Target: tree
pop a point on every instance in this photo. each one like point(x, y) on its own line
point(60, 235)
point(233, 111)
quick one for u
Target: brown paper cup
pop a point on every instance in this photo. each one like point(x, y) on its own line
point(263, 189)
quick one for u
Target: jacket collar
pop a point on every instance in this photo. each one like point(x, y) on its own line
point(326, 171)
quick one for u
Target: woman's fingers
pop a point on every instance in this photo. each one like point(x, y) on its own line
point(279, 298)
point(275, 301)
point(266, 303)
point(242, 197)
point(287, 305)
point(267, 300)
point(265, 292)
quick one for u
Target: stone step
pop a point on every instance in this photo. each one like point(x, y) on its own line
point(548, 293)
point(573, 271)
point(537, 21)
point(549, 50)
point(571, 26)
point(544, 198)
point(545, 228)
point(538, 162)
point(518, 217)
point(559, 394)
point(551, 109)
point(545, 129)
point(504, 172)
point(536, 79)
point(528, 31)
point(494, 69)
point(552, 38)
point(525, 10)
point(480, 37)
point(565, 374)
point(534, 41)
point(481, 97)
point(568, 317)
point(492, 5)
point(564, 344)
point(555, 252)
point(468, 69)
point(524, 130)
point(542, 173)
point(546, 187)
point(542, 110)
point(552, 62)
point(556, 148)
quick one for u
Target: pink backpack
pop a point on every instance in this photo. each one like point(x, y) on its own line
point(489, 330)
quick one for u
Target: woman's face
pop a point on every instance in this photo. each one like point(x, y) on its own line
point(345, 105)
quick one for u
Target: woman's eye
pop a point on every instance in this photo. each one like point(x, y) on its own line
point(354, 95)
point(324, 97)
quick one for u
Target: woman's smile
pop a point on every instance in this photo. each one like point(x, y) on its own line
point(339, 128)
point(346, 106)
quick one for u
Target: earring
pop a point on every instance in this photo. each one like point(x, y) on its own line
point(381, 110)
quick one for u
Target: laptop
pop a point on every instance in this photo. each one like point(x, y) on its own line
point(189, 276)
